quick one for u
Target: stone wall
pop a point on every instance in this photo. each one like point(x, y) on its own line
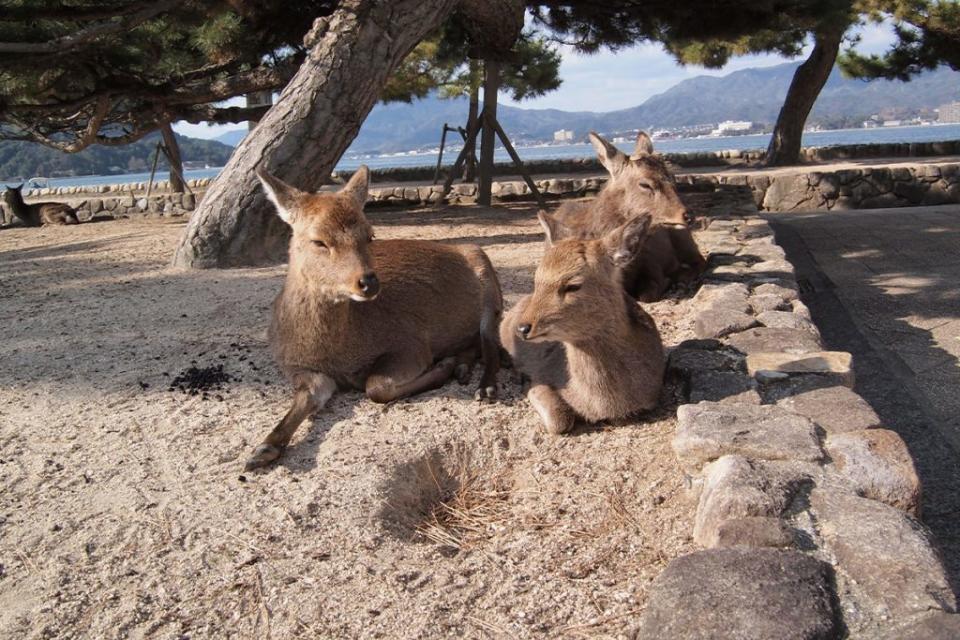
point(808, 509)
point(852, 188)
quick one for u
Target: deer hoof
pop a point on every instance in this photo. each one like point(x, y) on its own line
point(486, 394)
point(262, 456)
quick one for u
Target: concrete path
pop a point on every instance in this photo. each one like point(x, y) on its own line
point(884, 284)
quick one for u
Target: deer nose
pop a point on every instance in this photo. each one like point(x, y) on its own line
point(524, 330)
point(369, 284)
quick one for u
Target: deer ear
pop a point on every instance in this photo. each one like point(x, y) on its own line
point(644, 145)
point(624, 242)
point(357, 186)
point(612, 159)
point(283, 196)
point(551, 227)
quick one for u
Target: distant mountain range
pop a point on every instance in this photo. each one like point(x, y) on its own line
point(749, 94)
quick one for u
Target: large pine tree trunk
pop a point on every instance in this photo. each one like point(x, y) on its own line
point(806, 85)
point(300, 139)
point(173, 157)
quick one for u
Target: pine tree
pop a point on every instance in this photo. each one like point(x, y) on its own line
point(109, 72)
point(928, 35)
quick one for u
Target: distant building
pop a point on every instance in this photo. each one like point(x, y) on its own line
point(728, 127)
point(564, 135)
point(892, 123)
point(949, 112)
point(731, 125)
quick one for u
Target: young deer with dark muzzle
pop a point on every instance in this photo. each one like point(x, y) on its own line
point(390, 317)
point(639, 184)
point(589, 349)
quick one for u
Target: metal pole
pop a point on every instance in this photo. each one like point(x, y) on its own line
point(443, 141)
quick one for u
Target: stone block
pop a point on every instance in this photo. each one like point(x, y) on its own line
point(734, 487)
point(784, 292)
point(684, 361)
point(730, 295)
point(724, 387)
point(832, 407)
point(786, 320)
point(767, 302)
point(912, 191)
point(889, 554)
point(760, 594)
point(882, 201)
point(754, 531)
point(766, 339)
point(718, 321)
point(788, 192)
point(937, 625)
point(836, 364)
point(878, 466)
point(709, 430)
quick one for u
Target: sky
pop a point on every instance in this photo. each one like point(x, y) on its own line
point(609, 81)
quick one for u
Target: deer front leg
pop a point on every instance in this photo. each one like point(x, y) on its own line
point(396, 377)
point(311, 394)
point(557, 416)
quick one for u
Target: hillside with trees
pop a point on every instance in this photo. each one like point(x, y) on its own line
point(28, 159)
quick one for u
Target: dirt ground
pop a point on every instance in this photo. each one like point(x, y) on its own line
point(125, 511)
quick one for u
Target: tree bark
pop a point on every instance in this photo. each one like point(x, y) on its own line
point(173, 157)
point(300, 139)
point(491, 83)
point(470, 167)
point(806, 85)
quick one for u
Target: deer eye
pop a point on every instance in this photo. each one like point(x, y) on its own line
point(319, 243)
point(646, 186)
point(570, 288)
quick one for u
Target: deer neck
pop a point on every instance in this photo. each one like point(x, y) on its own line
point(18, 205)
point(606, 344)
point(309, 306)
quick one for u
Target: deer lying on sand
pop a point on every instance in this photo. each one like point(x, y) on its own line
point(390, 317)
point(35, 215)
point(589, 349)
point(638, 184)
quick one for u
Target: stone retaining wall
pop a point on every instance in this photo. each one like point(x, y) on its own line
point(799, 190)
point(854, 188)
point(808, 509)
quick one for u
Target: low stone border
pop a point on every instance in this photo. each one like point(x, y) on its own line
point(867, 188)
point(797, 190)
point(808, 509)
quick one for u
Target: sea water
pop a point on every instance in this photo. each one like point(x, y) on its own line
point(350, 161)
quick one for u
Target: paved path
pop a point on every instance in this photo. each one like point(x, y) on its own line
point(884, 284)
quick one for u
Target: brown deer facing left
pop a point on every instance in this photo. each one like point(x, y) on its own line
point(390, 317)
point(40, 213)
point(589, 349)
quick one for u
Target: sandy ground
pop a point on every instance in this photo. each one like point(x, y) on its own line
point(125, 512)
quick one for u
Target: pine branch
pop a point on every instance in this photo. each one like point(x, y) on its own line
point(70, 42)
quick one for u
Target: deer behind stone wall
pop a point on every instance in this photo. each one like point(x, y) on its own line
point(638, 184)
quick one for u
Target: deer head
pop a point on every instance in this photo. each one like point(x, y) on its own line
point(330, 247)
point(577, 279)
point(642, 180)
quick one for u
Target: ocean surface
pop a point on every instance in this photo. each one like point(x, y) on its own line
point(544, 152)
